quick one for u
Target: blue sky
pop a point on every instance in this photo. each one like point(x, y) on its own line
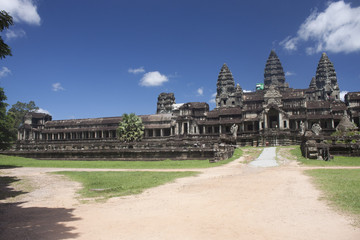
point(90, 58)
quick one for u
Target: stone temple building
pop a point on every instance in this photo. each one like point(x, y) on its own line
point(270, 116)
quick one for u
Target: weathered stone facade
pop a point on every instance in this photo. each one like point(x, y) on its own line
point(276, 115)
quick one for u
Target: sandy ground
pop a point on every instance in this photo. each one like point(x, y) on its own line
point(235, 201)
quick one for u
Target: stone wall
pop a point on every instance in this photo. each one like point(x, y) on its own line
point(160, 149)
point(341, 146)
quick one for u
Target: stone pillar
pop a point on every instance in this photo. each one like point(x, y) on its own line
point(253, 126)
point(332, 124)
point(266, 121)
point(220, 129)
point(161, 132)
point(204, 129)
point(212, 129)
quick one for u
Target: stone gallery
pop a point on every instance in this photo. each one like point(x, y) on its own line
point(274, 114)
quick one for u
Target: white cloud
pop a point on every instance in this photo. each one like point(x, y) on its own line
point(16, 33)
point(289, 43)
point(57, 87)
point(246, 91)
point(336, 29)
point(342, 95)
point(21, 10)
point(40, 110)
point(213, 96)
point(136, 70)
point(200, 91)
point(4, 72)
point(289, 73)
point(152, 79)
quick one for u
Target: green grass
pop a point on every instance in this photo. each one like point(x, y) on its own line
point(341, 188)
point(181, 164)
point(337, 161)
point(104, 185)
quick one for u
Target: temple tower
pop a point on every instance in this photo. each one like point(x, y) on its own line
point(274, 73)
point(326, 79)
point(165, 103)
point(313, 83)
point(227, 94)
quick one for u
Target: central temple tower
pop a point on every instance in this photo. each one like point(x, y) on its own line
point(274, 73)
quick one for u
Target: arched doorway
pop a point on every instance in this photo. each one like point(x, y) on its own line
point(273, 118)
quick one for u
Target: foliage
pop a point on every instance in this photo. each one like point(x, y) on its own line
point(5, 21)
point(114, 184)
point(19, 110)
point(337, 161)
point(130, 128)
point(341, 187)
point(7, 130)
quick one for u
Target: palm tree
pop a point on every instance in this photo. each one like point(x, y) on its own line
point(130, 128)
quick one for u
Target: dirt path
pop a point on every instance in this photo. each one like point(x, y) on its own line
point(235, 201)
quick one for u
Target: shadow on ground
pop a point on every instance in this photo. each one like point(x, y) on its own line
point(6, 191)
point(8, 166)
point(17, 222)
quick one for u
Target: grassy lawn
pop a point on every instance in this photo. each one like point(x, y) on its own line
point(337, 161)
point(341, 188)
point(104, 185)
point(29, 162)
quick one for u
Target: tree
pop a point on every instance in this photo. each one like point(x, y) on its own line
point(7, 119)
point(130, 128)
point(7, 130)
point(5, 21)
point(19, 110)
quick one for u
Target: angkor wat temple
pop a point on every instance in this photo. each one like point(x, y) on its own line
point(272, 115)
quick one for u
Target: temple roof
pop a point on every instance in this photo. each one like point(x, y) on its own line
point(293, 94)
point(106, 120)
point(195, 105)
point(352, 96)
point(253, 96)
point(318, 104)
point(230, 111)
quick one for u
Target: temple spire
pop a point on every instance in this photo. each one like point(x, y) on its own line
point(313, 83)
point(325, 72)
point(227, 95)
point(274, 73)
point(225, 80)
point(326, 80)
